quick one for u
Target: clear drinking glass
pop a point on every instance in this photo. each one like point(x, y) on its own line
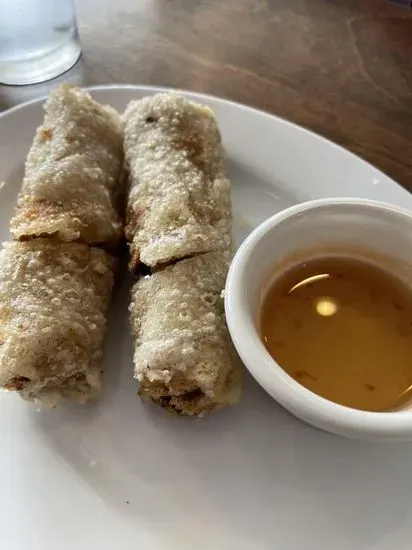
point(38, 40)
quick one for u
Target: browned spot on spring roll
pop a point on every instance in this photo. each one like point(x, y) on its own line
point(184, 358)
point(53, 303)
point(74, 173)
point(179, 202)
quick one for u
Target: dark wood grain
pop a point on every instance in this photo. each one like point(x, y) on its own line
point(341, 68)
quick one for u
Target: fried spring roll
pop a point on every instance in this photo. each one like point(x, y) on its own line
point(179, 202)
point(184, 358)
point(73, 173)
point(53, 302)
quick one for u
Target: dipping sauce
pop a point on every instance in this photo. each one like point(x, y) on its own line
point(342, 328)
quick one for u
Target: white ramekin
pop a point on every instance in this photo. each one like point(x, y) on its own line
point(384, 230)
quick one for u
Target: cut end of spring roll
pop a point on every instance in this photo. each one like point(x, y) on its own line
point(179, 201)
point(53, 303)
point(184, 358)
point(73, 178)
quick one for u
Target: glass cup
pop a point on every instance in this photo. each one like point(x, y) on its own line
point(38, 40)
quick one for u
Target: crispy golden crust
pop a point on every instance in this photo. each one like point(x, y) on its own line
point(53, 302)
point(74, 172)
point(179, 202)
point(184, 358)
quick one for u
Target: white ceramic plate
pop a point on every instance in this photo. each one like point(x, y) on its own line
point(120, 474)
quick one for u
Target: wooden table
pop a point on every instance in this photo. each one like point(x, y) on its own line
point(340, 67)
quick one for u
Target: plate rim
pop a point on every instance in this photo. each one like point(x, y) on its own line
point(202, 96)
